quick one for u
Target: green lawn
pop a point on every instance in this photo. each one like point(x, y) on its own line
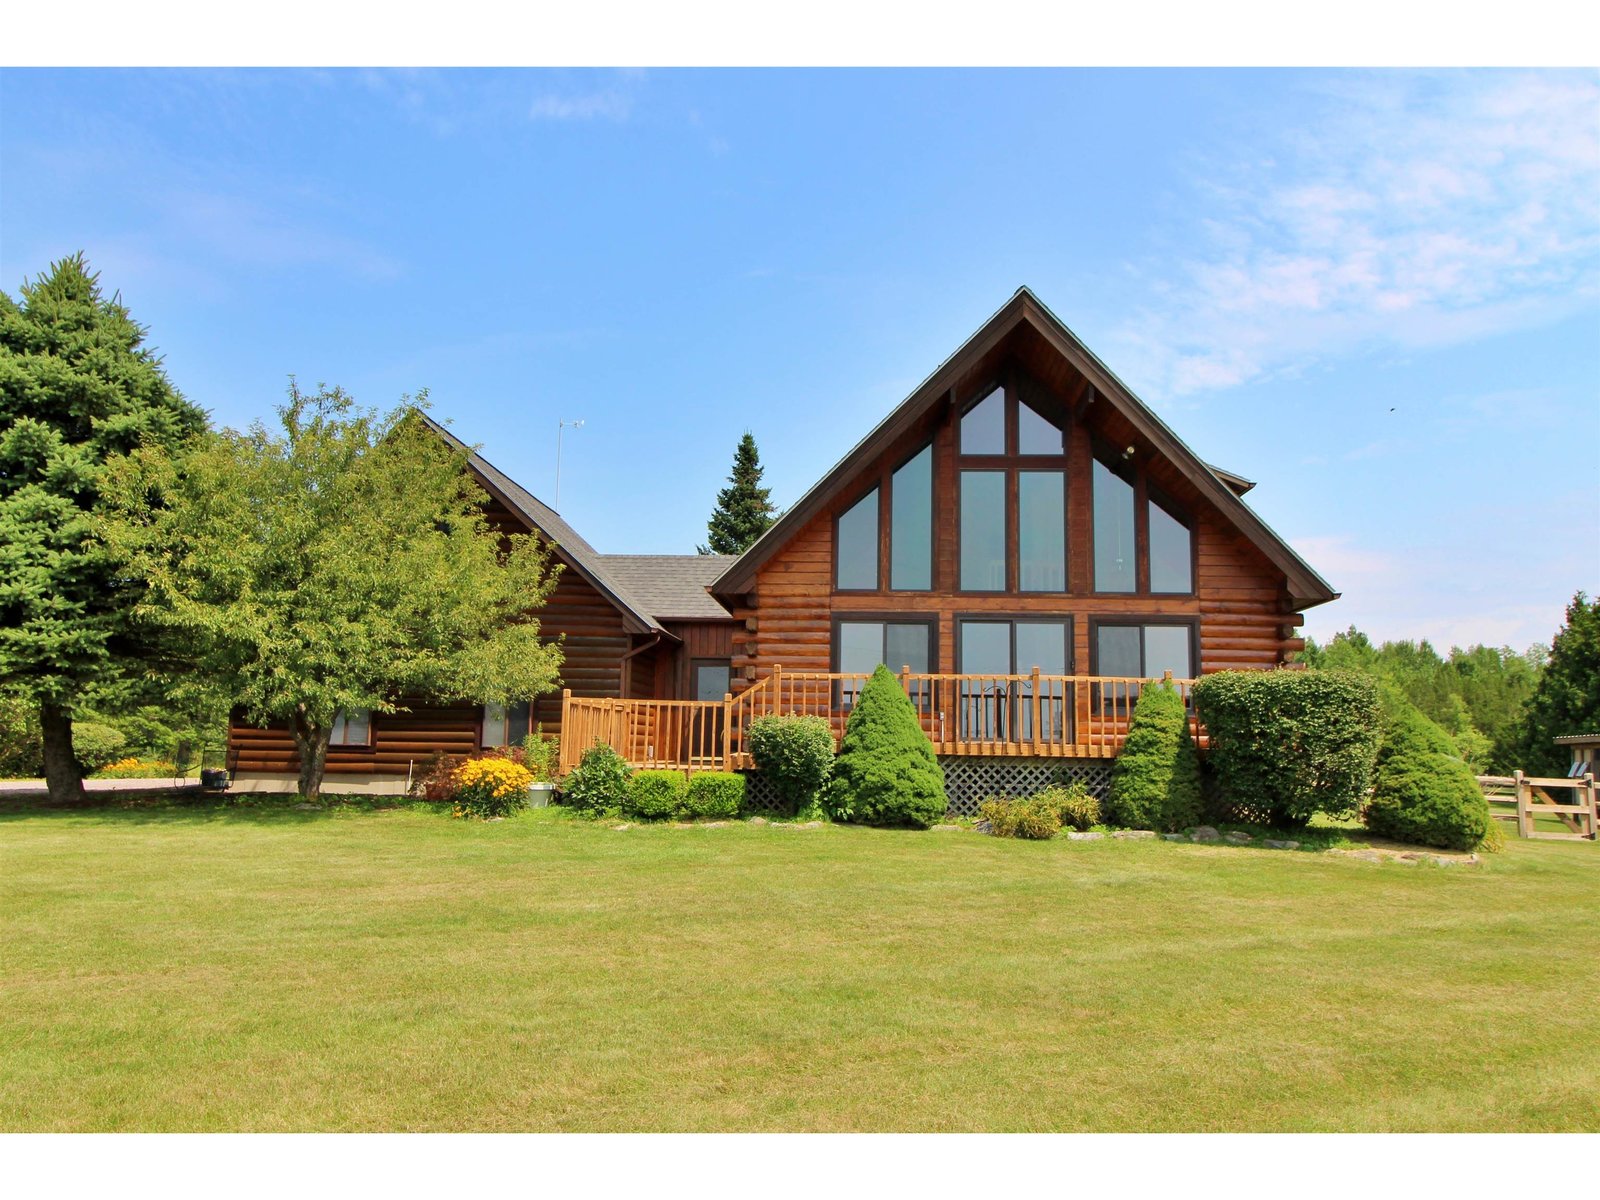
point(268, 969)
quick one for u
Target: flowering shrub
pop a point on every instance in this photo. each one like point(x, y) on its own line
point(490, 787)
point(136, 768)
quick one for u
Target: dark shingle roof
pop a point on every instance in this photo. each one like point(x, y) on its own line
point(671, 585)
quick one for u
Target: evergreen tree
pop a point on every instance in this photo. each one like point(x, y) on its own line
point(78, 391)
point(1567, 699)
point(744, 509)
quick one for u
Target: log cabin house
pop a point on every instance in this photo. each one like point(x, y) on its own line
point(1021, 539)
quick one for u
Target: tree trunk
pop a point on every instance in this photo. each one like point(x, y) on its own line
point(311, 742)
point(62, 776)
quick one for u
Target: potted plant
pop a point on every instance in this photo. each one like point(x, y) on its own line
point(541, 754)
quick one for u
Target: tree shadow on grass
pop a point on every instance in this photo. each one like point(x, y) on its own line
point(251, 809)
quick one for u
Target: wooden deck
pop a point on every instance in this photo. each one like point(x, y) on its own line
point(1014, 716)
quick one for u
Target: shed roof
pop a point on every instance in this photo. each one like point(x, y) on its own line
point(671, 586)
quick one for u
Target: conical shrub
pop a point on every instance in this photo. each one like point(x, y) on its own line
point(1155, 783)
point(886, 773)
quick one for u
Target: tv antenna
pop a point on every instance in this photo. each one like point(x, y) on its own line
point(561, 427)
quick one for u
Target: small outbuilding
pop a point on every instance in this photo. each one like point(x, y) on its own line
point(1585, 749)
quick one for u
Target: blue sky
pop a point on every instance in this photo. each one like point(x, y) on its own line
point(1377, 293)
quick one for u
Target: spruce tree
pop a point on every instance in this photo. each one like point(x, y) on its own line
point(1567, 698)
point(78, 391)
point(744, 509)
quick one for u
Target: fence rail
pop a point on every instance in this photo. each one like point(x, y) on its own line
point(1532, 799)
point(1032, 715)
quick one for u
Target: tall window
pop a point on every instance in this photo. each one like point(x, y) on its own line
point(1013, 518)
point(504, 724)
point(911, 524)
point(857, 545)
point(1115, 545)
point(353, 728)
point(1171, 549)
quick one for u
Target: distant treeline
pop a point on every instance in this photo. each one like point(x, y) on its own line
point(1502, 708)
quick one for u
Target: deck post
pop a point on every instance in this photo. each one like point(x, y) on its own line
point(727, 731)
point(1594, 808)
point(1034, 685)
point(563, 760)
point(1522, 804)
point(777, 688)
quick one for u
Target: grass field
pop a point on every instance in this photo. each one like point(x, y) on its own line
point(270, 969)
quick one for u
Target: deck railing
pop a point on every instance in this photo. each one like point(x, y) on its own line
point(1032, 715)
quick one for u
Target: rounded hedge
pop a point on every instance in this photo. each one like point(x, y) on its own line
point(714, 794)
point(1155, 781)
point(796, 755)
point(1422, 793)
point(656, 795)
point(886, 772)
point(1286, 745)
point(95, 745)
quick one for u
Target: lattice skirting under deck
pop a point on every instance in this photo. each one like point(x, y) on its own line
point(969, 780)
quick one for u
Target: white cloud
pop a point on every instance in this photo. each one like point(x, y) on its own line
point(610, 105)
point(1420, 210)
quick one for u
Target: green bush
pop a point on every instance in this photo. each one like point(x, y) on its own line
point(1286, 745)
point(540, 754)
point(796, 754)
point(714, 794)
point(599, 783)
point(1036, 818)
point(21, 744)
point(656, 795)
point(1155, 782)
point(95, 745)
point(1073, 804)
point(886, 773)
point(1422, 793)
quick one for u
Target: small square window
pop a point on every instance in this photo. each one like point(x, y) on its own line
point(353, 728)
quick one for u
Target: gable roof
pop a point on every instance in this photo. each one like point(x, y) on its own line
point(545, 521)
point(671, 586)
point(1222, 488)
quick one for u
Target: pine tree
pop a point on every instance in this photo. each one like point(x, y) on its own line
point(744, 510)
point(1567, 699)
point(78, 391)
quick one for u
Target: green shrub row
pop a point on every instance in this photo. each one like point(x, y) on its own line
point(669, 796)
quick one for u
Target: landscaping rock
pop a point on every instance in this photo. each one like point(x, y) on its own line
point(1175, 837)
point(309, 807)
point(715, 825)
point(1275, 844)
point(983, 827)
point(1469, 861)
point(1075, 836)
point(1239, 838)
point(1206, 834)
point(810, 825)
point(1134, 833)
point(758, 821)
point(945, 828)
point(624, 825)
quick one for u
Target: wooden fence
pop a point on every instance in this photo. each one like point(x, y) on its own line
point(1531, 798)
point(1032, 715)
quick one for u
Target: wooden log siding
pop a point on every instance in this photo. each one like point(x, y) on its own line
point(1241, 603)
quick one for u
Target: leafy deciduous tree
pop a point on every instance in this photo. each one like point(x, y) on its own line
point(78, 390)
point(341, 563)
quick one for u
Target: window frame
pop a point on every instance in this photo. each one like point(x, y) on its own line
point(929, 620)
point(844, 511)
point(338, 717)
point(1140, 622)
point(1012, 701)
point(883, 482)
point(708, 661)
point(1157, 495)
point(483, 723)
point(1011, 464)
point(1144, 494)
